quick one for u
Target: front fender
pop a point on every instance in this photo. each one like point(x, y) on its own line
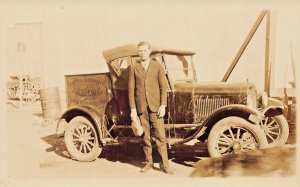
point(88, 111)
point(242, 111)
point(274, 108)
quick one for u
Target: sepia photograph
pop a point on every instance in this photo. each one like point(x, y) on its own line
point(149, 93)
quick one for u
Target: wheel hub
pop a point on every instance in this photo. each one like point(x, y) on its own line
point(236, 145)
point(83, 138)
point(266, 130)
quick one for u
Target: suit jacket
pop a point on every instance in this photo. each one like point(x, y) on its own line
point(147, 88)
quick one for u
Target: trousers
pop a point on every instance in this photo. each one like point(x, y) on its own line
point(150, 119)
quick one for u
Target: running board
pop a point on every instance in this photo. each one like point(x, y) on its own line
point(166, 126)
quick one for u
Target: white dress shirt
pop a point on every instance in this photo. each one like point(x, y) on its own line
point(145, 64)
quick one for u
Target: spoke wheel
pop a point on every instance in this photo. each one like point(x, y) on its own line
point(81, 140)
point(232, 135)
point(276, 130)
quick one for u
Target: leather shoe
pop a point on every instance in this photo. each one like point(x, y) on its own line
point(146, 167)
point(168, 171)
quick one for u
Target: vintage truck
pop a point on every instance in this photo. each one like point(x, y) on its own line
point(230, 117)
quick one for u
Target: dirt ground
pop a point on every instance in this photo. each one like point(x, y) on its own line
point(35, 157)
point(34, 153)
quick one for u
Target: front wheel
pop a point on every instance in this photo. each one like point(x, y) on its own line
point(233, 134)
point(81, 139)
point(276, 130)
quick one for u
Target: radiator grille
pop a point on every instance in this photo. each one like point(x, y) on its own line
point(204, 107)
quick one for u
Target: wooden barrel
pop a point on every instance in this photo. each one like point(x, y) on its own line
point(50, 102)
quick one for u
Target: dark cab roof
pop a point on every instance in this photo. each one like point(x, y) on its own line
point(132, 50)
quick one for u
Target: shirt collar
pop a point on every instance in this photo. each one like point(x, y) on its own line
point(146, 64)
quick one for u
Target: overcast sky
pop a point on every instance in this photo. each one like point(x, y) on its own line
point(74, 34)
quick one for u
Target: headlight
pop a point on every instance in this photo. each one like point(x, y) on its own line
point(250, 101)
point(263, 99)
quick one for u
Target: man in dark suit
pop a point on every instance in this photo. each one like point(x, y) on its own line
point(147, 90)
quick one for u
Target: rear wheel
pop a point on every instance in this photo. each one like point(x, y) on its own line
point(233, 134)
point(81, 139)
point(276, 130)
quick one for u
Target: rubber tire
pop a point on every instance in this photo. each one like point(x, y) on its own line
point(223, 124)
point(96, 150)
point(284, 129)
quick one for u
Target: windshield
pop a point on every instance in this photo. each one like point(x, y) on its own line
point(179, 67)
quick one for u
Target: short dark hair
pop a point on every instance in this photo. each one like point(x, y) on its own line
point(144, 43)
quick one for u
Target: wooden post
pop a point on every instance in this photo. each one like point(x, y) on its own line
point(244, 45)
point(267, 56)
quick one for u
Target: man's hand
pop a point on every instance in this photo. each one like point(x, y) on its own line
point(133, 113)
point(161, 111)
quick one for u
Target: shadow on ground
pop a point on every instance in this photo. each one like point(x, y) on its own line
point(188, 155)
point(279, 161)
point(57, 145)
point(132, 153)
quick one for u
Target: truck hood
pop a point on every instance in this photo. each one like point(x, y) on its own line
point(215, 87)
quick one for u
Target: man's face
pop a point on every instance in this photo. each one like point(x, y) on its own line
point(144, 52)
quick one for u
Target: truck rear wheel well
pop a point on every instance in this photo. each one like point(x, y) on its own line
point(72, 114)
point(69, 115)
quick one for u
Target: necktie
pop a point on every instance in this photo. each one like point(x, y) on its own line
point(145, 65)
